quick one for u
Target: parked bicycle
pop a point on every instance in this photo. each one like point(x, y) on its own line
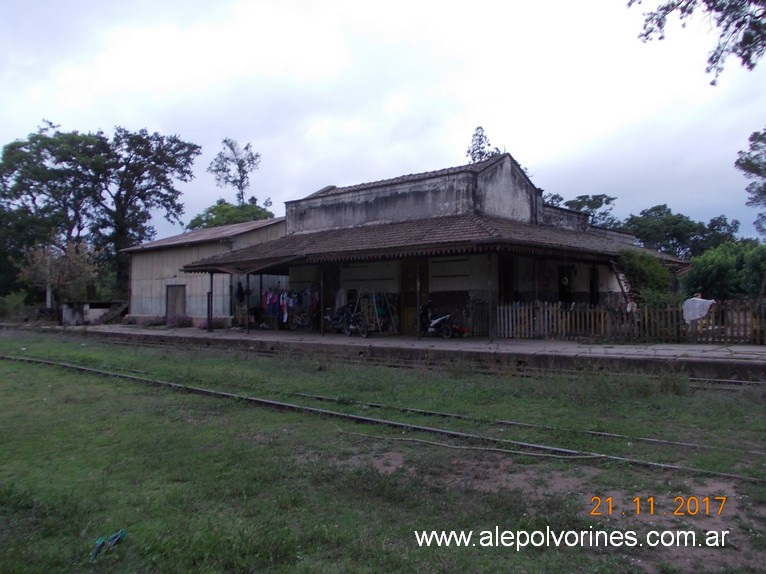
point(301, 320)
point(346, 319)
point(337, 321)
point(355, 323)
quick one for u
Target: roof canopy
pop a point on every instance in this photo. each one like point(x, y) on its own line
point(422, 237)
point(207, 235)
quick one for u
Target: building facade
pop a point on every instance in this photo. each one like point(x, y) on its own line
point(464, 239)
point(160, 289)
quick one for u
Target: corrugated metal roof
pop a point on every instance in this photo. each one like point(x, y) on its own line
point(208, 235)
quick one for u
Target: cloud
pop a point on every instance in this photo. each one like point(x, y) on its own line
point(338, 92)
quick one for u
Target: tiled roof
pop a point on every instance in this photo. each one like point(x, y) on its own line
point(210, 234)
point(469, 168)
point(447, 234)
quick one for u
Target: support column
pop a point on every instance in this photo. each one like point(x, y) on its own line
point(490, 300)
point(418, 302)
point(247, 304)
point(210, 305)
point(321, 301)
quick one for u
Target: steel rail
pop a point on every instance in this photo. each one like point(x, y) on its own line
point(568, 453)
point(601, 434)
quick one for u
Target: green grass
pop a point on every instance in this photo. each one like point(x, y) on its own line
point(211, 485)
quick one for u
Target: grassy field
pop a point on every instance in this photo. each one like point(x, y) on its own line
point(211, 485)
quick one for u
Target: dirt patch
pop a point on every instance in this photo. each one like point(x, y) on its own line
point(683, 504)
point(385, 463)
point(255, 437)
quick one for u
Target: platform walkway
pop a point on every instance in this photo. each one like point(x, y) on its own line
point(738, 362)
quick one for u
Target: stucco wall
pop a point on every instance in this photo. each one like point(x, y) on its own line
point(565, 218)
point(464, 273)
point(381, 277)
point(547, 275)
point(501, 190)
point(402, 202)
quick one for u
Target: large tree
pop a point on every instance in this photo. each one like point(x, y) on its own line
point(598, 207)
point(480, 148)
point(19, 231)
point(54, 176)
point(753, 165)
point(660, 229)
point(232, 167)
point(89, 188)
point(64, 271)
point(225, 213)
point(140, 174)
point(734, 269)
point(740, 25)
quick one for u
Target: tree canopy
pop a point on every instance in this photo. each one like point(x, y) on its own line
point(480, 148)
point(598, 207)
point(753, 164)
point(660, 229)
point(89, 188)
point(65, 269)
point(733, 269)
point(649, 279)
point(739, 24)
point(225, 213)
point(232, 167)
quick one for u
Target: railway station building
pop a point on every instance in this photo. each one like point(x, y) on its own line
point(465, 239)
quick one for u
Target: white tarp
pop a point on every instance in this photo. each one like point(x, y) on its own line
point(696, 308)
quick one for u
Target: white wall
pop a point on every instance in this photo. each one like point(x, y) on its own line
point(380, 277)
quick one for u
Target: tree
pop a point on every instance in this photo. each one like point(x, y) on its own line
point(19, 231)
point(650, 280)
point(232, 166)
point(139, 176)
point(717, 231)
point(64, 270)
point(739, 23)
point(734, 269)
point(225, 213)
point(96, 190)
point(480, 148)
point(660, 229)
point(598, 207)
point(54, 177)
point(553, 199)
point(753, 164)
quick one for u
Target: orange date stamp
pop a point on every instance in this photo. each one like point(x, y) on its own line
point(647, 505)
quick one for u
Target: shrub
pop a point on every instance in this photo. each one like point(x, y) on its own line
point(649, 279)
point(218, 323)
point(12, 305)
point(151, 321)
point(180, 321)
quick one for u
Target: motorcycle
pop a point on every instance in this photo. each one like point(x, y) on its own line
point(435, 325)
point(355, 323)
point(336, 322)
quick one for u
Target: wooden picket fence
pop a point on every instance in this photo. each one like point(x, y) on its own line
point(727, 322)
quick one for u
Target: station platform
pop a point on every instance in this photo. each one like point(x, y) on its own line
point(712, 361)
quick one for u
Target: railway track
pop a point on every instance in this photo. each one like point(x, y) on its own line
point(501, 444)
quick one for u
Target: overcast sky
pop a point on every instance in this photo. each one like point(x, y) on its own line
point(338, 93)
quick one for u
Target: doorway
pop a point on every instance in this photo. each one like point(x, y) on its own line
point(175, 301)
